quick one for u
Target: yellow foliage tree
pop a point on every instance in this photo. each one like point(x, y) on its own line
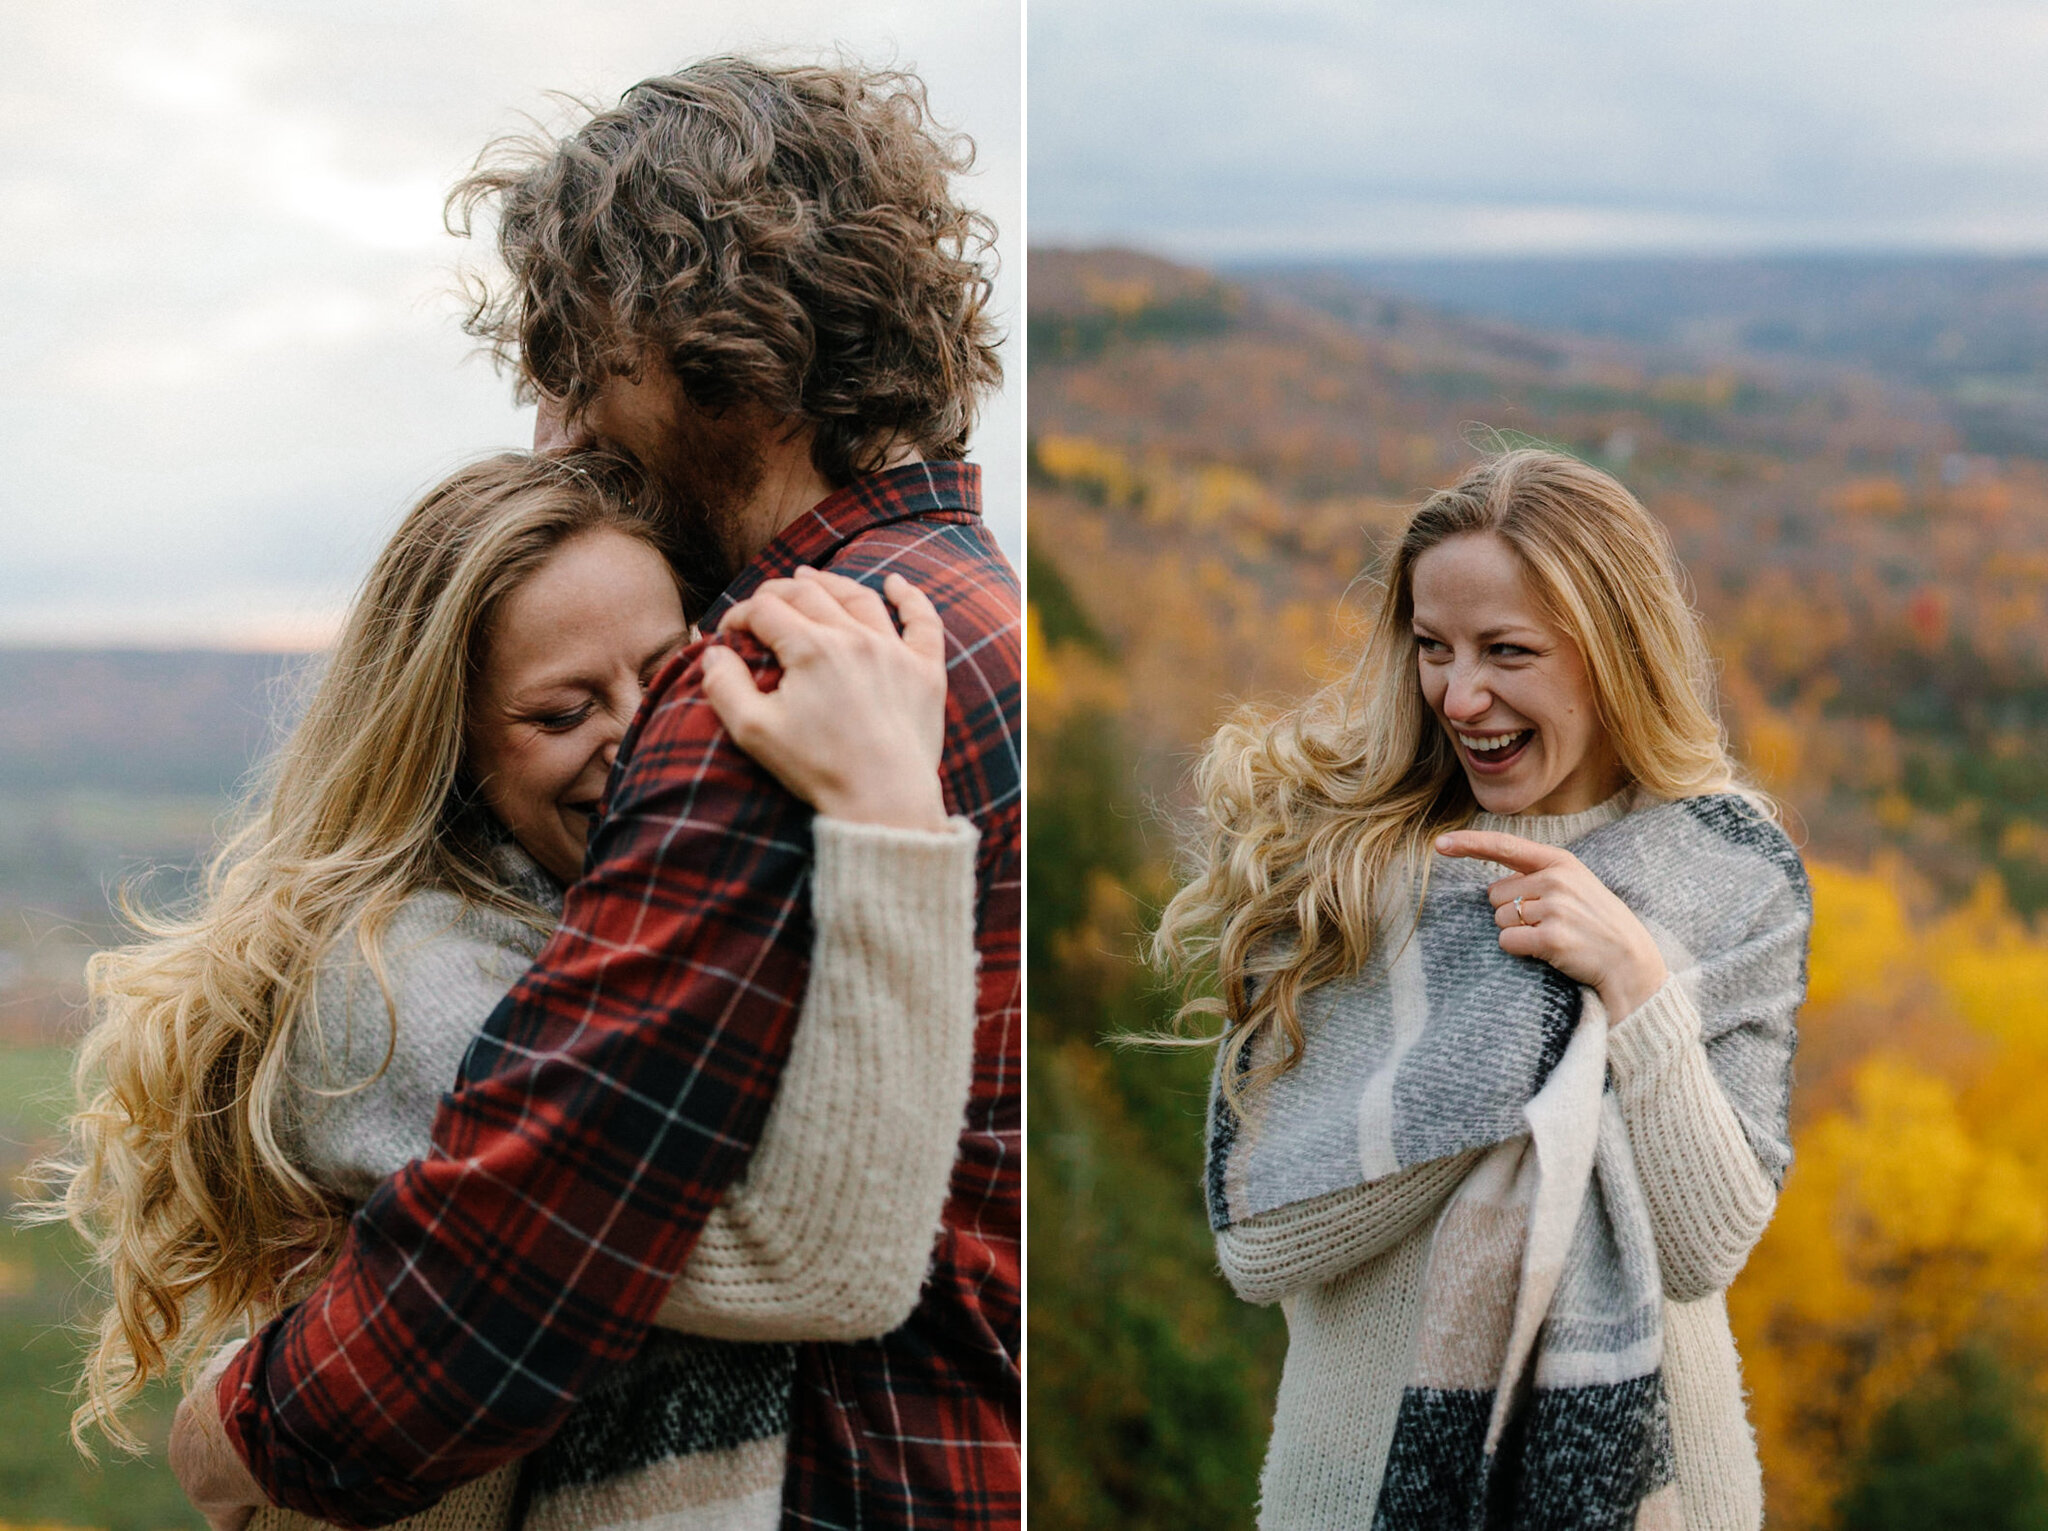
point(1916, 1215)
point(1064, 678)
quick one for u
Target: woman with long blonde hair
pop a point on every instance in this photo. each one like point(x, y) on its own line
point(1506, 960)
point(259, 1064)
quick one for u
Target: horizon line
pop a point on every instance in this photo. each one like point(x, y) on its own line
point(1186, 256)
point(129, 644)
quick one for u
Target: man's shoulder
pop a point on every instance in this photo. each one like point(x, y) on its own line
point(962, 571)
point(952, 559)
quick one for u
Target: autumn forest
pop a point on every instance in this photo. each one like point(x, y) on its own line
point(1213, 460)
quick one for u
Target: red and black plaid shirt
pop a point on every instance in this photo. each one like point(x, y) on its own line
point(621, 1087)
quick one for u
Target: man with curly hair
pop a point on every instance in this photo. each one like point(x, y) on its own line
point(757, 281)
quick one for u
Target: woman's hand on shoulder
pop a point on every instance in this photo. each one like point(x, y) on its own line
point(1553, 909)
point(856, 726)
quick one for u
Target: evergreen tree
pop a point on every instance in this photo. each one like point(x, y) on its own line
point(1150, 1384)
point(1962, 1452)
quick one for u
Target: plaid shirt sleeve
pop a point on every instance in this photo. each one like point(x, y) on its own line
point(611, 1099)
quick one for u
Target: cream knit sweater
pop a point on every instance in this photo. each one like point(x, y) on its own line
point(1347, 1269)
point(829, 1233)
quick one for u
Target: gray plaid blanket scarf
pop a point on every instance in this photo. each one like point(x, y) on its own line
point(1537, 1398)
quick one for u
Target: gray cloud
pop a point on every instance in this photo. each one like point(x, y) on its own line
point(1446, 125)
point(230, 355)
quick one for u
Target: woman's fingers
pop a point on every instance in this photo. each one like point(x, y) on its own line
point(777, 622)
point(1508, 850)
point(729, 688)
point(788, 593)
point(856, 601)
point(856, 724)
point(812, 600)
point(1520, 883)
point(835, 602)
point(922, 629)
point(801, 617)
point(832, 600)
point(1568, 918)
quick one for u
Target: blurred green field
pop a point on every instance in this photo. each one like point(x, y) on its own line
point(116, 768)
point(43, 1480)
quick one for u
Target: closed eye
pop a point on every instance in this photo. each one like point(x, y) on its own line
point(561, 722)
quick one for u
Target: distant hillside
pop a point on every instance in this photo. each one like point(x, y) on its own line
point(1081, 306)
point(114, 764)
point(1973, 329)
point(1878, 592)
point(136, 720)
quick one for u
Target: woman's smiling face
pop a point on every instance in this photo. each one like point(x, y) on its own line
point(1508, 686)
point(566, 660)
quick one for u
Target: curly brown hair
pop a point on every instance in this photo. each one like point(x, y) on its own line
point(784, 236)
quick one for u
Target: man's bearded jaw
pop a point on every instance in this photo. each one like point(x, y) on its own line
point(709, 468)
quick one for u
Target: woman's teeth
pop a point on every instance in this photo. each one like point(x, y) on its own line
point(1492, 744)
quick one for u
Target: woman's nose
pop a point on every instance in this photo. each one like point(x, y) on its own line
point(1467, 695)
point(625, 703)
point(618, 721)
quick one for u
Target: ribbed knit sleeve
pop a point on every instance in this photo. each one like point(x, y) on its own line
point(1265, 1258)
point(830, 1232)
point(1709, 1195)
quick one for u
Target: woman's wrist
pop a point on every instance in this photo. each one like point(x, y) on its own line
point(904, 805)
point(1626, 990)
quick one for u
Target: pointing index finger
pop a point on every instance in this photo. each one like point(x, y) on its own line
point(1509, 850)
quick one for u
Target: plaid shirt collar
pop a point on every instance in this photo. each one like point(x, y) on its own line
point(949, 491)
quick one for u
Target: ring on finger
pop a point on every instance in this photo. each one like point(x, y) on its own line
point(1519, 915)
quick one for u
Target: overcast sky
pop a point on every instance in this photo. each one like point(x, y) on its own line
point(229, 356)
point(1500, 126)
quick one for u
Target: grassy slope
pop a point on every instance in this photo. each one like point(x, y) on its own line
point(42, 1480)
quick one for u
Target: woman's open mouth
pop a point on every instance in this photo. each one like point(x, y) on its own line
point(1490, 754)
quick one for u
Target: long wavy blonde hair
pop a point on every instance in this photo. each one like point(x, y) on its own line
point(178, 1170)
point(1306, 820)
